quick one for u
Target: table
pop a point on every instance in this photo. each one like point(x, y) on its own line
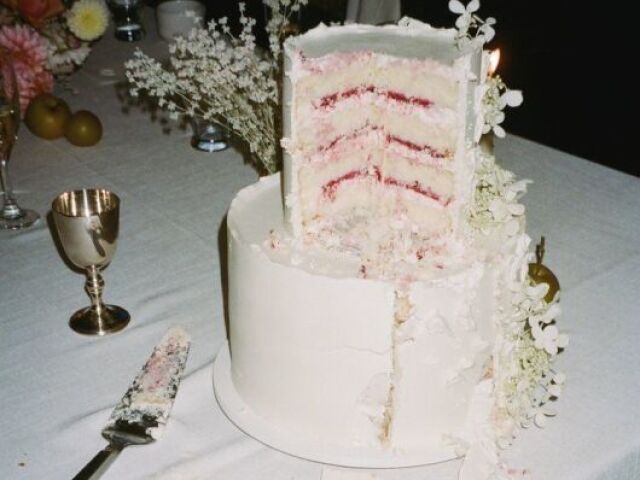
point(58, 387)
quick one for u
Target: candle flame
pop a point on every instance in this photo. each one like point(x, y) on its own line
point(494, 60)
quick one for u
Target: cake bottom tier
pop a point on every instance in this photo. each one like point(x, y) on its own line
point(354, 363)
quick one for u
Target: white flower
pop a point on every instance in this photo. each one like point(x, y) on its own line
point(550, 339)
point(223, 77)
point(496, 97)
point(495, 201)
point(540, 415)
point(463, 22)
point(486, 29)
point(88, 19)
point(526, 384)
point(456, 6)
point(559, 378)
point(77, 56)
point(511, 98)
point(471, 27)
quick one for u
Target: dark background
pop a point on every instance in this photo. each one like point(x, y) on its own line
point(573, 60)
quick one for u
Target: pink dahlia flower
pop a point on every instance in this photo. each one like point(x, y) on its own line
point(27, 50)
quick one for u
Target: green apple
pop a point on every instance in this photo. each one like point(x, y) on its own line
point(47, 116)
point(83, 129)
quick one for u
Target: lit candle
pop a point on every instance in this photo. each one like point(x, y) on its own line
point(494, 60)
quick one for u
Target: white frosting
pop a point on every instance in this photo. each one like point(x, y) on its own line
point(341, 474)
point(326, 355)
point(373, 319)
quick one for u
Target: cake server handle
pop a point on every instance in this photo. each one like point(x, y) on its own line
point(99, 464)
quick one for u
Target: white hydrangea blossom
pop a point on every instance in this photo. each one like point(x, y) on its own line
point(495, 99)
point(529, 341)
point(222, 77)
point(495, 201)
point(471, 28)
point(527, 381)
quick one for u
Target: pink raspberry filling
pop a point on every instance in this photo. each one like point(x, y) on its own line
point(330, 188)
point(329, 101)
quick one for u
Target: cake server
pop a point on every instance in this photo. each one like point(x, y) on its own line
point(142, 413)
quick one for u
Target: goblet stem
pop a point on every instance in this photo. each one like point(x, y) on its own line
point(10, 208)
point(94, 287)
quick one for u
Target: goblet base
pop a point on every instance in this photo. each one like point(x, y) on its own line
point(208, 136)
point(24, 220)
point(90, 321)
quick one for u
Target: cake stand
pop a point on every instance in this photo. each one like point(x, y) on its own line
point(309, 448)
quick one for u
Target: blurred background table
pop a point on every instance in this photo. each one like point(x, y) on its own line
point(58, 388)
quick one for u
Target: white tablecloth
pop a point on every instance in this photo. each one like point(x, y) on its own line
point(58, 388)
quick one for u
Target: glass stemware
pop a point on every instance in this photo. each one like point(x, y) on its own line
point(208, 136)
point(12, 216)
point(126, 18)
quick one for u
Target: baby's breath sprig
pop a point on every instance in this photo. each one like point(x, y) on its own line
point(223, 77)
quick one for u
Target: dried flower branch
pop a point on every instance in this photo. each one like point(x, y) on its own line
point(223, 77)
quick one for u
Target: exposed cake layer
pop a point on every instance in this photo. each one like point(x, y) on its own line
point(377, 118)
point(430, 132)
point(301, 360)
point(372, 173)
point(365, 149)
point(330, 79)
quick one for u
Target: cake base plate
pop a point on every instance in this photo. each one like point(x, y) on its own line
point(309, 448)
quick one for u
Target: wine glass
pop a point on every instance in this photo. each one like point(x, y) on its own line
point(87, 222)
point(126, 18)
point(12, 216)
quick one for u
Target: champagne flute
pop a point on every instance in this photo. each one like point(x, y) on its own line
point(12, 216)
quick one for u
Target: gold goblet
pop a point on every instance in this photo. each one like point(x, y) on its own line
point(87, 224)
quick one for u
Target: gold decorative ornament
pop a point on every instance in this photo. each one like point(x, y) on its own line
point(540, 273)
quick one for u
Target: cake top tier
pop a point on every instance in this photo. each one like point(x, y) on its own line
point(381, 127)
point(409, 39)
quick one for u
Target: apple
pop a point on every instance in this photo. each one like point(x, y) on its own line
point(33, 8)
point(83, 129)
point(47, 116)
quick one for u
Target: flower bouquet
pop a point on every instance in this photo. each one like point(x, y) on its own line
point(45, 39)
point(224, 77)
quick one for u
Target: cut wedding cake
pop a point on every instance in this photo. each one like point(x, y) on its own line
point(379, 297)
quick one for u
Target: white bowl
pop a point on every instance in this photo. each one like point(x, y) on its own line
point(178, 17)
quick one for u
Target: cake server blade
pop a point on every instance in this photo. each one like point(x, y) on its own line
point(139, 418)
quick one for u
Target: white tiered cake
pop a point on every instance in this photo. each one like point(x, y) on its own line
point(372, 310)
